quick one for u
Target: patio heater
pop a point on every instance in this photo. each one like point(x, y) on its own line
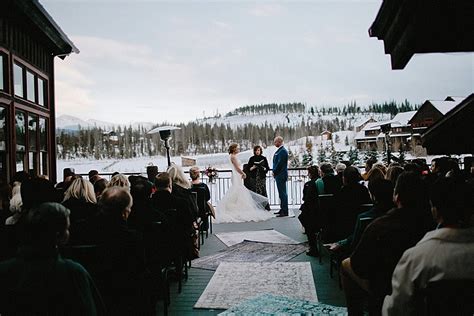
point(165, 135)
point(385, 128)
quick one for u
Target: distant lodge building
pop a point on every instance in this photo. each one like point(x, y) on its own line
point(405, 129)
point(29, 41)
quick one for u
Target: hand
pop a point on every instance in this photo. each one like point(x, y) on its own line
point(333, 246)
point(244, 176)
point(253, 168)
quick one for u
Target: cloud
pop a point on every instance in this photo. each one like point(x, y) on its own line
point(267, 10)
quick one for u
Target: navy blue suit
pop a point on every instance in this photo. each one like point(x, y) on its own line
point(280, 172)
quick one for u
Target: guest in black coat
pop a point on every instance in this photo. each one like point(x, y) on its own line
point(175, 212)
point(181, 189)
point(309, 210)
point(329, 183)
point(349, 200)
point(81, 201)
point(203, 196)
point(258, 168)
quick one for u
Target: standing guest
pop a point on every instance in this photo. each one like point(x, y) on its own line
point(368, 271)
point(280, 173)
point(309, 210)
point(258, 167)
point(203, 196)
point(38, 280)
point(328, 183)
point(446, 253)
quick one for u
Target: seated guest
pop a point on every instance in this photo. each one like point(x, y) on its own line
point(99, 186)
point(393, 172)
point(165, 202)
point(142, 209)
point(375, 173)
point(368, 271)
point(446, 253)
point(119, 180)
point(122, 280)
point(380, 166)
point(348, 204)
point(381, 193)
point(81, 201)
point(203, 195)
point(309, 210)
point(93, 176)
point(68, 174)
point(38, 280)
point(340, 167)
point(181, 188)
point(368, 166)
point(328, 183)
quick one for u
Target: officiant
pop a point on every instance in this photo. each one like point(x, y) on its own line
point(258, 168)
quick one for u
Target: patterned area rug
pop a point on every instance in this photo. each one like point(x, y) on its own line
point(250, 251)
point(267, 235)
point(234, 283)
point(267, 304)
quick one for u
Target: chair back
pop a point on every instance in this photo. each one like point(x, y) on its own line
point(449, 297)
point(325, 215)
point(201, 202)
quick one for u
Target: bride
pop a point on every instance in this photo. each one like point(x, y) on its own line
point(240, 204)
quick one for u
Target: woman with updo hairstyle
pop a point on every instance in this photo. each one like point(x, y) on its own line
point(203, 196)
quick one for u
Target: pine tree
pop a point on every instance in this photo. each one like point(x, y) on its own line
point(308, 154)
point(321, 154)
point(293, 159)
point(346, 140)
point(353, 155)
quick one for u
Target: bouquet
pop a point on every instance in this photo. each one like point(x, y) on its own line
point(211, 173)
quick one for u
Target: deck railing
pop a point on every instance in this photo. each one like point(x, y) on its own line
point(219, 186)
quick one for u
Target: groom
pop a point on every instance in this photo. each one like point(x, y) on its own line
point(280, 173)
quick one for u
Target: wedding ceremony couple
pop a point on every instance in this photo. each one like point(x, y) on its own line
point(240, 204)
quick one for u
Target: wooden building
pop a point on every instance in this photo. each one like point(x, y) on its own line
point(421, 26)
point(29, 41)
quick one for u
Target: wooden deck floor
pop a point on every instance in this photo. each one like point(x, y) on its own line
point(182, 304)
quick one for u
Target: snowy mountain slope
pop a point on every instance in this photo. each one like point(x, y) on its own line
point(70, 122)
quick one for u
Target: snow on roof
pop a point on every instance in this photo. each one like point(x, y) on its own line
point(403, 118)
point(444, 106)
point(454, 98)
point(362, 121)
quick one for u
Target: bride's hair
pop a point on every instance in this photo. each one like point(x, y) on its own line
point(232, 148)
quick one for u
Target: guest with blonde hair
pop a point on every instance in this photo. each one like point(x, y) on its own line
point(177, 176)
point(80, 199)
point(119, 180)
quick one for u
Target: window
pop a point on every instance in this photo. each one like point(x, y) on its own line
point(3, 147)
point(40, 91)
point(43, 136)
point(30, 86)
point(20, 129)
point(32, 144)
point(18, 80)
point(2, 75)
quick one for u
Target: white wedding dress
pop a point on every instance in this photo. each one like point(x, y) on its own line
point(239, 204)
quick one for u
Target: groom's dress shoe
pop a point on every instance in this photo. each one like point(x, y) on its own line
point(276, 213)
point(282, 215)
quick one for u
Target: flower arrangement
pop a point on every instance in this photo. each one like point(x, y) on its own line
point(211, 173)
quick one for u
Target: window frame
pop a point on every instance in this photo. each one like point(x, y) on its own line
point(38, 77)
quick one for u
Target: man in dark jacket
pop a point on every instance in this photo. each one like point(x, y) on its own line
point(368, 271)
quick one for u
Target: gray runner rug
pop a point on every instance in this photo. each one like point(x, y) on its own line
point(250, 251)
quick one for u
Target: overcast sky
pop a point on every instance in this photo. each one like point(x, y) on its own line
point(178, 60)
